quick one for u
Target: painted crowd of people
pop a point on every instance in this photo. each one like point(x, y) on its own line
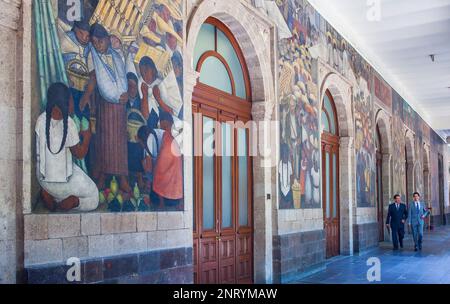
point(118, 120)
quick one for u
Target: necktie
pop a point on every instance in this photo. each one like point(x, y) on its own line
point(417, 207)
point(397, 206)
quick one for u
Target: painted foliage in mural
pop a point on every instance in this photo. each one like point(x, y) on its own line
point(109, 136)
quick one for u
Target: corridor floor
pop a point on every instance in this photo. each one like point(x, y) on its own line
point(430, 266)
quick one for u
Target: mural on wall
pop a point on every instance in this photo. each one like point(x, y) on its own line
point(409, 116)
point(383, 91)
point(304, 37)
point(313, 37)
point(300, 142)
point(109, 136)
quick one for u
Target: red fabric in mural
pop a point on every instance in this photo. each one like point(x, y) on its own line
point(168, 179)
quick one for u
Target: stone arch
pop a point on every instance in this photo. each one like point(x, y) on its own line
point(410, 164)
point(255, 35)
point(254, 42)
point(383, 122)
point(340, 90)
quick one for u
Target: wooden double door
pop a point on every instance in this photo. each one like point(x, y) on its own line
point(223, 233)
point(330, 193)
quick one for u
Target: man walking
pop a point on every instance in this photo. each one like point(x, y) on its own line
point(396, 218)
point(417, 213)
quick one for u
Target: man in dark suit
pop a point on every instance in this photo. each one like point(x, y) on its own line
point(396, 218)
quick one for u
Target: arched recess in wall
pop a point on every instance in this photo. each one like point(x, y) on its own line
point(409, 165)
point(384, 163)
point(340, 91)
point(330, 175)
point(254, 35)
point(426, 174)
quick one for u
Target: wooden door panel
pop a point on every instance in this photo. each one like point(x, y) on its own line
point(330, 147)
point(195, 259)
point(244, 261)
point(208, 261)
point(227, 260)
point(224, 255)
point(208, 276)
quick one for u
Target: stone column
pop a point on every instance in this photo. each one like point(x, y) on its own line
point(263, 196)
point(10, 139)
point(387, 189)
point(190, 79)
point(347, 193)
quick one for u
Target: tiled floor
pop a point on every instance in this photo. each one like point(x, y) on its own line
point(430, 266)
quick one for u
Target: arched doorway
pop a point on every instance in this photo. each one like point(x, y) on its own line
point(426, 177)
point(223, 197)
point(330, 176)
point(379, 184)
point(441, 189)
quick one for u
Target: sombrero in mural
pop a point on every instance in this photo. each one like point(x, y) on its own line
point(166, 27)
point(174, 7)
point(145, 32)
point(335, 42)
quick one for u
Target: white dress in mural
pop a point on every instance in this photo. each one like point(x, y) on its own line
point(56, 173)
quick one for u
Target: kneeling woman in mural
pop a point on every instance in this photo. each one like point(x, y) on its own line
point(64, 185)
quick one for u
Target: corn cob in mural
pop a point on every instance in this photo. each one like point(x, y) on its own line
point(123, 16)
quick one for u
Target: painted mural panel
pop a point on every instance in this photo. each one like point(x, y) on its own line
point(408, 115)
point(312, 37)
point(304, 37)
point(109, 136)
point(300, 154)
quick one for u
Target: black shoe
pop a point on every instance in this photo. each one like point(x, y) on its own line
point(415, 249)
point(395, 248)
point(420, 248)
point(401, 245)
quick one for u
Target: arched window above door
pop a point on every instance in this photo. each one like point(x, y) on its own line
point(329, 117)
point(219, 60)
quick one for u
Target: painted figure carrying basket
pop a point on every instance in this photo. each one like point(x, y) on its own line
point(78, 74)
point(135, 120)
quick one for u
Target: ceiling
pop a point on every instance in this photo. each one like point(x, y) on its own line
point(398, 47)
